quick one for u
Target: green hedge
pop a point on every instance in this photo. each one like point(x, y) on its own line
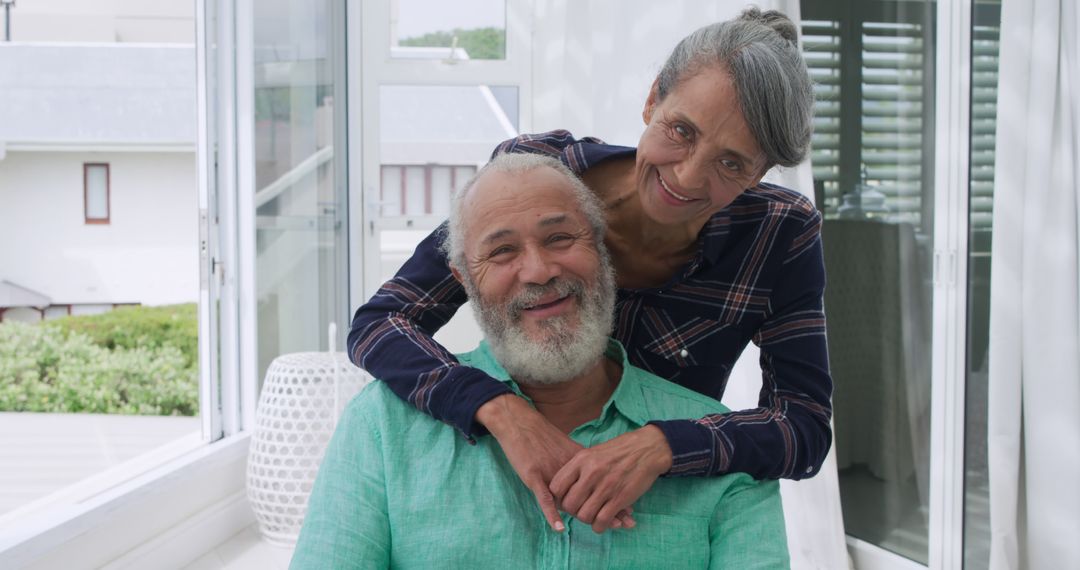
point(147, 327)
point(133, 360)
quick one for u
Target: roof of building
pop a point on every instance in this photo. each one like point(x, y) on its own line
point(13, 295)
point(73, 94)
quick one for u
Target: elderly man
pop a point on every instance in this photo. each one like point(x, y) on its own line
point(400, 489)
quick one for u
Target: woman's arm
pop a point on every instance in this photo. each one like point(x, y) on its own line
point(788, 435)
point(391, 339)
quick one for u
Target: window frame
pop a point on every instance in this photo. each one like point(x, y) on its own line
point(87, 220)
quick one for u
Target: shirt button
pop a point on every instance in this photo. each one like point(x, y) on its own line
point(809, 469)
point(683, 353)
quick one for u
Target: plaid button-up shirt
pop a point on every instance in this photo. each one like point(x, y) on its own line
point(758, 276)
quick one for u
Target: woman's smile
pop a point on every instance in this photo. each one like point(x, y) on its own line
point(672, 194)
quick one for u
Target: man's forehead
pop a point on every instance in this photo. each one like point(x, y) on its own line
point(502, 184)
point(502, 203)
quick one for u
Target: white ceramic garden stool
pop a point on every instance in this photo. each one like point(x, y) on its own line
point(302, 397)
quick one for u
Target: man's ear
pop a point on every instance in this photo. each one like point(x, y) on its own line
point(456, 274)
point(651, 101)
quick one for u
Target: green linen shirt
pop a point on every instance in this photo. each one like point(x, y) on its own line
point(398, 489)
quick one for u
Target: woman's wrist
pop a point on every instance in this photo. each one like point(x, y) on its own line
point(498, 413)
point(659, 455)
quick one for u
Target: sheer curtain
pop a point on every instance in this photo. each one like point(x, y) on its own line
point(593, 64)
point(1034, 392)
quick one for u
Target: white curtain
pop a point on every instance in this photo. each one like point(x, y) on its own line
point(1034, 384)
point(593, 64)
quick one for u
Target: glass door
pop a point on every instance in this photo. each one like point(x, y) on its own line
point(299, 176)
point(874, 177)
point(903, 159)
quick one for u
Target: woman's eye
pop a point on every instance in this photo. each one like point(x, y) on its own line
point(683, 131)
point(731, 165)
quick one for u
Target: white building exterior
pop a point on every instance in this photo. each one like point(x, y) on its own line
point(79, 85)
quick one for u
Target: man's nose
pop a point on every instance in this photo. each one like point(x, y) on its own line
point(537, 266)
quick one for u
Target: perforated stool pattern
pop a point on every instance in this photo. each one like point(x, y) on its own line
point(302, 397)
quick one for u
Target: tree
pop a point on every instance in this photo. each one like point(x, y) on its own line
point(479, 43)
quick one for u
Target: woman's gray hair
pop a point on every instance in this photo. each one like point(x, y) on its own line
point(453, 243)
point(760, 52)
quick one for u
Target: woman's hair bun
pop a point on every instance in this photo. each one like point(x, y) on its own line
point(777, 21)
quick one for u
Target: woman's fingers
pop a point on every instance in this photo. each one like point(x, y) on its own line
point(546, 501)
point(535, 448)
point(600, 484)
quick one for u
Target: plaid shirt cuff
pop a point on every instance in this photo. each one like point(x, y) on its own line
point(476, 389)
point(691, 443)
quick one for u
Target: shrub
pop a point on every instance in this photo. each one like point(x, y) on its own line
point(141, 361)
point(137, 326)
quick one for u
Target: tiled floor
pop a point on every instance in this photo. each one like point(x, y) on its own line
point(43, 453)
point(244, 551)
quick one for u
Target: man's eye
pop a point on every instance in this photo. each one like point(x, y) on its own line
point(560, 238)
point(500, 251)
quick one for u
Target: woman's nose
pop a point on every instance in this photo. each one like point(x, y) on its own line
point(692, 172)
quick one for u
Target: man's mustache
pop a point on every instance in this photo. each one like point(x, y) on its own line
point(532, 294)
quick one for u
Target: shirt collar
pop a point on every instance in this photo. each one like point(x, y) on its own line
point(627, 399)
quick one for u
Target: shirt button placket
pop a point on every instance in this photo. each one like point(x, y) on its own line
point(555, 552)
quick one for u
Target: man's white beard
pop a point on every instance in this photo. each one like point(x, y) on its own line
point(570, 344)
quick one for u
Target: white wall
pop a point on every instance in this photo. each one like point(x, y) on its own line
point(594, 62)
point(147, 254)
point(22, 315)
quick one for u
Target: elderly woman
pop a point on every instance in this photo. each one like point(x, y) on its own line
point(707, 257)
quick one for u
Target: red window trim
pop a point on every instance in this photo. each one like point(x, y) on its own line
point(86, 191)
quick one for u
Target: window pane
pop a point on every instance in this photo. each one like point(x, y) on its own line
point(433, 138)
point(98, 324)
point(97, 192)
point(442, 185)
point(301, 270)
point(872, 64)
point(414, 189)
point(985, 44)
point(460, 30)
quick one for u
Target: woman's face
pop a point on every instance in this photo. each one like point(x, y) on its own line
point(697, 153)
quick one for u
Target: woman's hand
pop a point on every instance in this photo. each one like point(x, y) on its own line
point(601, 483)
point(536, 448)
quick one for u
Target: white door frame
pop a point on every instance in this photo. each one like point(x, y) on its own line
point(949, 370)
